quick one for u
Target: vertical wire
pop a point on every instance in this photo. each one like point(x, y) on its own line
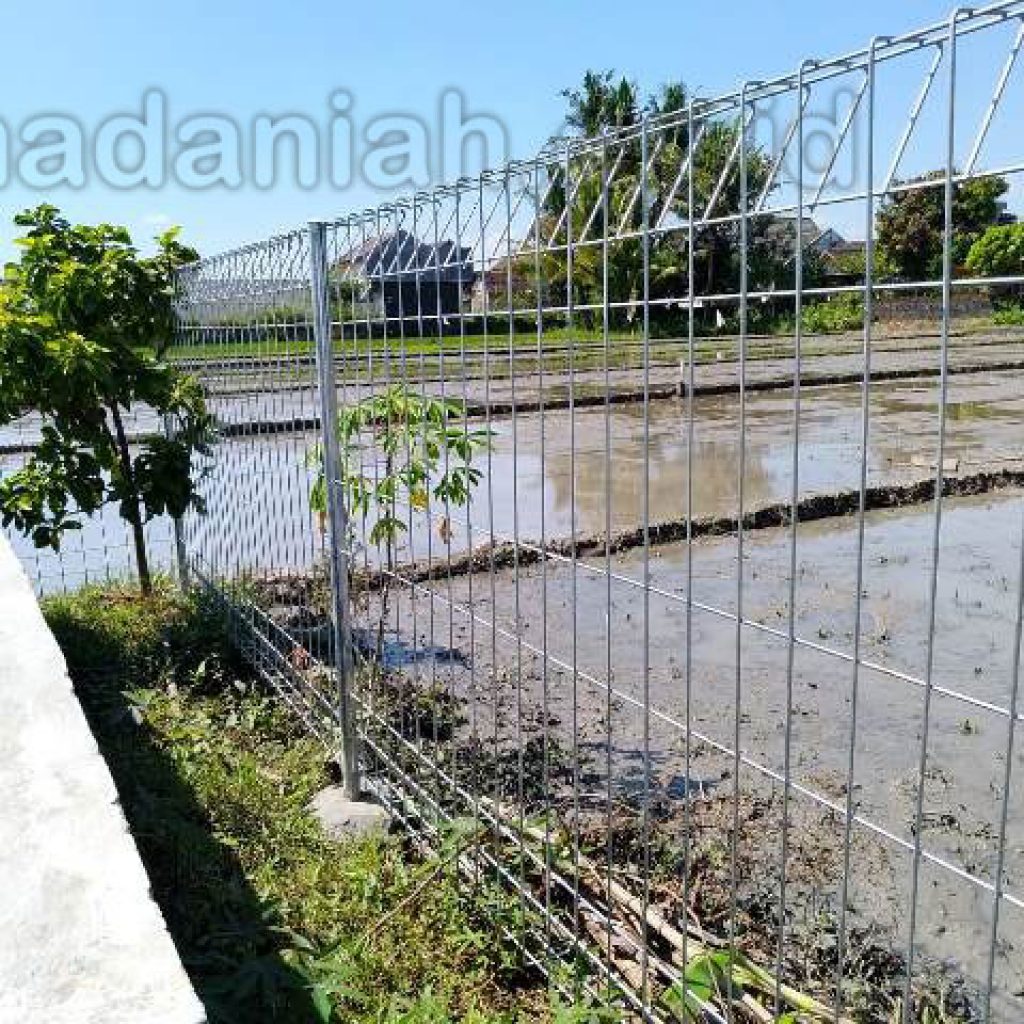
point(997, 891)
point(446, 448)
point(448, 510)
point(418, 269)
point(390, 538)
point(573, 555)
point(943, 397)
point(367, 386)
point(288, 462)
point(389, 613)
point(740, 491)
point(474, 770)
point(307, 401)
point(485, 260)
point(690, 431)
point(798, 284)
point(492, 568)
point(865, 439)
point(435, 200)
point(248, 557)
point(406, 685)
point(392, 616)
point(230, 559)
point(535, 184)
point(645, 239)
point(609, 702)
point(517, 597)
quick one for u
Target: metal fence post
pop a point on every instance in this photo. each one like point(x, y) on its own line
point(336, 514)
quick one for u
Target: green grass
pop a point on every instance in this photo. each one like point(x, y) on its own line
point(497, 340)
point(264, 349)
point(273, 921)
point(843, 315)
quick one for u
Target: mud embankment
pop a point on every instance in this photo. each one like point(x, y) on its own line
point(507, 554)
point(656, 392)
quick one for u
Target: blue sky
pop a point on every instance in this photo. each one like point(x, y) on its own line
point(243, 59)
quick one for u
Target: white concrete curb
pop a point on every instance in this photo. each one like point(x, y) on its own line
point(81, 940)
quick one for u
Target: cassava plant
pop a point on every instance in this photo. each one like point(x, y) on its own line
point(398, 449)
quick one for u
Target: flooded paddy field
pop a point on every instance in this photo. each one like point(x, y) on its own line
point(591, 471)
point(280, 392)
point(561, 474)
point(612, 648)
point(631, 671)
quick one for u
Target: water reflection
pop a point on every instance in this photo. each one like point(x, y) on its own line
point(592, 468)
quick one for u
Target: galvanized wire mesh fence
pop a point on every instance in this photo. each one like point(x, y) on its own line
point(612, 512)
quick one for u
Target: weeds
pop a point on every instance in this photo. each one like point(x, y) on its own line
point(1009, 315)
point(273, 921)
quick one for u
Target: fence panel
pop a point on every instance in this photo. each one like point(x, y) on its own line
point(678, 540)
point(246, 327)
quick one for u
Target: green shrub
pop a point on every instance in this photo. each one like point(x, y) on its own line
point(1009, 316)
point(999, 252)
point(843, 312)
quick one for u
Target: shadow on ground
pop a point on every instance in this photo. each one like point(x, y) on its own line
point(227, 937)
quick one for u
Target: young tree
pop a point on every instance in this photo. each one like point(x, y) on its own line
point(82, 319)
point(426, 450)
point(603, 102)
point(911, 223)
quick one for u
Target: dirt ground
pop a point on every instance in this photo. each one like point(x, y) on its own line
point(608, 627)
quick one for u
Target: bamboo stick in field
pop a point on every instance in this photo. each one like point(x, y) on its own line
point(695, 942)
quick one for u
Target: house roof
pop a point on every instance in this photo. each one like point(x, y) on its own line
point(782, 230)
point(398, 256)
point(844, 247)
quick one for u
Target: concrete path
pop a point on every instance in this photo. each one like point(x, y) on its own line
point(81, 940)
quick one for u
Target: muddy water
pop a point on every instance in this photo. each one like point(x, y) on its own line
point(611, 458)
point(608, 629)
point(258, 490)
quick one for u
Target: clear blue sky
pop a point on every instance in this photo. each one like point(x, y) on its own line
point(92, 60)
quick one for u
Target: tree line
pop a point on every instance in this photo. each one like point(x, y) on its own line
point(909, 225)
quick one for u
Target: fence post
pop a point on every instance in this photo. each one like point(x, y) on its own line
point(180, 554)
point(336, 514)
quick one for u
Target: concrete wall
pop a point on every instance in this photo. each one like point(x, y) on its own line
point(81, 940)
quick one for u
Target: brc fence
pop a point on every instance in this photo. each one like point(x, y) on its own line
point(592, 512)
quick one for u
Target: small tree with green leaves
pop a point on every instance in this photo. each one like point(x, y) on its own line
point(426, 450)
point(83, 318)
point(911, 222)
